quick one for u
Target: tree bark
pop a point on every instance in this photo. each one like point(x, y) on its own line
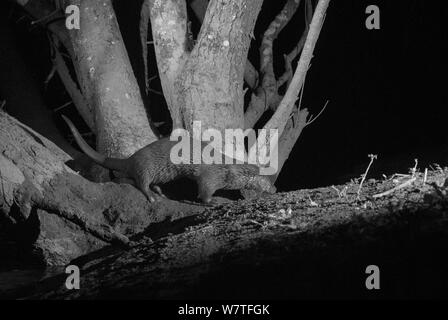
point(283, 112)
point(59, 214)
point(280, 118)
point(107, 81)
point(199, 8)
point(169, 30)
point(212, 80)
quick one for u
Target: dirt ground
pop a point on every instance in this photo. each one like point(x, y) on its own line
point(305, 244)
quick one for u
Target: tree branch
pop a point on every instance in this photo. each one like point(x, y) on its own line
point(42, 8)
point(213, 76)
point(169, 31)
point(266, 48)
point(288, 74)
point(261, 100)
point(107, 81)
point(288, 139)
point(72, 89)
point(72, 215)
point(199, 8)
point(282, 115)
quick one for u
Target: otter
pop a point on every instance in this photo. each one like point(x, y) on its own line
point(151, 166)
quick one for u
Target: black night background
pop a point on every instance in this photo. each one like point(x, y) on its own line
point(386, 90)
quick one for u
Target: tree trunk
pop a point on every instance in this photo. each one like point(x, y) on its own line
point(50, 209)
point(107, 81)
point(213, 78)
point(169, 29)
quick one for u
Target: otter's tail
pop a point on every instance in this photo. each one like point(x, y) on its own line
point(109, 163)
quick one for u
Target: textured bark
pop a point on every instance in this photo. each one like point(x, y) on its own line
point(281, 116)
point(212, 81)
point(290, 136)
point(107, 81)
point(81, 104)
point(199, 8)
point(169, 32)
point(286, 107)
point(286, 77)
point(57, 212)
point(267, 94)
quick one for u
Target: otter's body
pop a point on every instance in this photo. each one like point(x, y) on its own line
point(152, 166)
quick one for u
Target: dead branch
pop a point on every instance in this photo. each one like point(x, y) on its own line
point(70, 209)
point(267, 94)
point(281, 116)
point(72, 89)
point(399, 187)
point(372, 157)
point(291, 134)
point(39, 9)
point(288, 58)
point(270, 35)
point(283, 113)
point(314, 118)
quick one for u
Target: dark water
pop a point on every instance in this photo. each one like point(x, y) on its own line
point(14, 280)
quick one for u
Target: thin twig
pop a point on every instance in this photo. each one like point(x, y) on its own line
point(319, 114)
point(155, 91)
point(257, 223)
point(342, 192)
point(303, 86)
point(414, 170)
point(281, 116)
point(313, 203)
point(50, 75)
point(372, 158)
point(47, 17)
point(63, 106)
point(401, 186)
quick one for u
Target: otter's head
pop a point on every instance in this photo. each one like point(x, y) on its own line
point(259, 185)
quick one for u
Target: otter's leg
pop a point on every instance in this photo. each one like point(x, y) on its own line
point(206, 189)
point(148, 193)
point(157, 190)
point(144, 184)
